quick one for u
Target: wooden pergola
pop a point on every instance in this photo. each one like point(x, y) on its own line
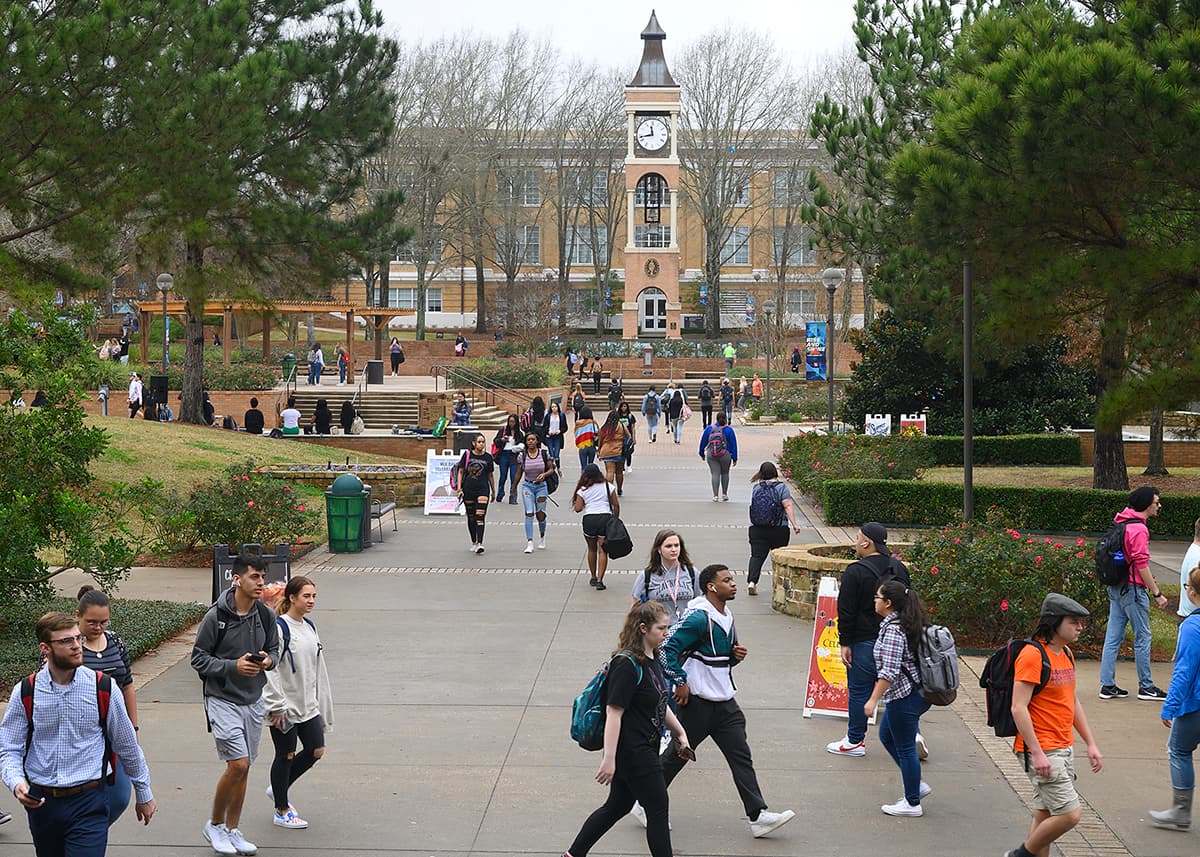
point(377, 317)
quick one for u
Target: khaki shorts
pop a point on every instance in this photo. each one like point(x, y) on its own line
point(1056, 793)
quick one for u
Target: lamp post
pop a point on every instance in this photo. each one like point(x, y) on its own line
point(768, 308)
point(164, 283)
point(832, 278)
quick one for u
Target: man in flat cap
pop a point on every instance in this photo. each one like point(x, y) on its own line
point(1129, 601)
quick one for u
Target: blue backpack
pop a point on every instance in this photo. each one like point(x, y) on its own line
point(285, 636)
point(588, 713)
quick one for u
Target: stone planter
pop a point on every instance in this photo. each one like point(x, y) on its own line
point(796, 573)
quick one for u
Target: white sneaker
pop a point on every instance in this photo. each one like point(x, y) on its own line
point(240, 844)
point(752, 588)
point(922, 748)
point(542, 543)
point(290, 820)
point(271, 798)
point(529, 547)
point(640, 814)
point(768, 821)
point(903, 809)
point(218, 838)
point(924, 790)
point(845, 748)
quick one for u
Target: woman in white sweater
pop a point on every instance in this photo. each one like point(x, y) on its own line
point(297, 698)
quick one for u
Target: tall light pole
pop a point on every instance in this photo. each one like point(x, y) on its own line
point(832, 278)
point(164, 283)
point(768, 308)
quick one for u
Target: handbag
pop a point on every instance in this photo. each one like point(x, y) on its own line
point(685, 414)
point(358, 426)
point(617, 541)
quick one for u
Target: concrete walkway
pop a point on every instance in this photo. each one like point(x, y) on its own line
point(454, 675)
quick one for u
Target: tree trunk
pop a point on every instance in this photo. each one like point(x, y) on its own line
point(1108, 467)
point(602, 281)
point(1157, 465)
point(712, 325)
point(191, 399)
point(422, 287)
point(480, 294)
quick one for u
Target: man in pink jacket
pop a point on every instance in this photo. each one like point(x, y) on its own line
point(1129, 602)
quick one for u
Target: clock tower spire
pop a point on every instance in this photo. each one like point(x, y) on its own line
point(651, 305)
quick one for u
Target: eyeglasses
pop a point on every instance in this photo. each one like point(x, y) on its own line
point(78, 638)
point(96, 623)
point(879, 598)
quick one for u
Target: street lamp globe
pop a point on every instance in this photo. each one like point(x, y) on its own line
point(832, 278)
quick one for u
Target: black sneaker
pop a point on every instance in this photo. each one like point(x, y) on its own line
point(593, 582)
point(1111, 691)
point(1152, 693)
point(600, 587)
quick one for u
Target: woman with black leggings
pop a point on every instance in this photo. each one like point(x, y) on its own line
point(297, 699)
point(476, 488)
point(636, 694)
point(771, 512)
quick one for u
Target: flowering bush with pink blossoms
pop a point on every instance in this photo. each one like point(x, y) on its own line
point(809, 461)
point(986, 581)
point(246, 506)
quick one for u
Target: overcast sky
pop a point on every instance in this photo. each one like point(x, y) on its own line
point(607, 32)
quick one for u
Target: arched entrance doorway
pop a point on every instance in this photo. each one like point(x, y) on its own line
point(652, 312)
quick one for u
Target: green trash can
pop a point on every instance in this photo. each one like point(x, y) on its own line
point(289, 366)
point(346, 514)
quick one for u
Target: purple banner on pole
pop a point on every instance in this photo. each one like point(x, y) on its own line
point(814, 351)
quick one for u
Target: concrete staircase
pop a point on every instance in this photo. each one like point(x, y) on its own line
point(382, 409)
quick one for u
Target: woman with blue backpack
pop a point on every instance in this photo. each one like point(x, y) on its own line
point(771, 512)
point(898, 685)
point(635, 693)
point(718, 446)
point(297, 699)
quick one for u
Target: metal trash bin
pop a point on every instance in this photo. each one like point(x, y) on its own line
point(289, 365)
point(374, 371)
point(346, 514)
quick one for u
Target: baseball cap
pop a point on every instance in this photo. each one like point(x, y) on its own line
point(877, 533)
point(1056, 604)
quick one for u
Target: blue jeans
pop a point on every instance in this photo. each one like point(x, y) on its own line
point(75, 825)
point(587, 456)
point(118, 794)
point(860, 681)
point(533, 498)
point(677, 428)
point(341, 373)
point(1185, 735)
point(898, 734)
point(554, 447)
point(651, 425)
point(508, 474)
point(728, 409)
point(1129, 607)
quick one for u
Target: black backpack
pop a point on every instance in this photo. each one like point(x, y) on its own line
point(706, 393)
point(651, 405)
point(1112, 569)
point(997, 683)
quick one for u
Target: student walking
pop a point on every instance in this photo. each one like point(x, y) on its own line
point(669, 577)
point(635, 714)
point(396, 352)
point(675, 411)
point(629, 422)
point(554, 427)
point(135, 394)
point(462, 410)
point(534, 465)
point(104, 651)
point(238, 641)
point(1129, 602)
point(505, 445)
point(650, 410)
point(727, 400)
point(1181, 714)
point(476, 487)
point(718, 446)
point(578, 401)
point(298, 699)
point(610, 448)
point(897, 685)
point(706, 396)
point(594, 498)
point(699, 655)
point(586, 430)
point(771, 512)
point(797, 360)
point(343, 365)
point(597, 374)
point(59, 777)
point(1044, 742)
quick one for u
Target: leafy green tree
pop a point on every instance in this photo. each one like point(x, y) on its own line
point(1062, 160)
point(52, 518)
point(263, 128)
point(904, 370)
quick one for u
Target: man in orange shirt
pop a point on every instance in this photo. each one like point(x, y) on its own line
point(1045, 721)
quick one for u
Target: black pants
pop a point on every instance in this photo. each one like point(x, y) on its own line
point(476, 516)
point(284, 770)
point(395, 362)
point(650, 790)
point(725, 723)
point(706, 412)
point(763, 540)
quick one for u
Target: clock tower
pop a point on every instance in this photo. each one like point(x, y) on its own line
point(651, 306)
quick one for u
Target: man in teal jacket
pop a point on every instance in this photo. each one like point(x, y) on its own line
point(698, 656)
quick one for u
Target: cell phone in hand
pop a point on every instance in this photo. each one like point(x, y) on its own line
point(258, 659)
point(688, 753)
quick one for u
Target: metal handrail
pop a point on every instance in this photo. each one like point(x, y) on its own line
point(477, 384)
point(289, 388)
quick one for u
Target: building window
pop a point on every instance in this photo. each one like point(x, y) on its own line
point(585, 244)
point(585, 187)
point(408, 254)
point(735, 249)
point(520, 187)
point(800, 302)
point(652, 236)
point(528, 247)
point(741, 195)
point(433, 300)
point(656, 186)
point(402, 298)
point(789, 188)
point(797, 243)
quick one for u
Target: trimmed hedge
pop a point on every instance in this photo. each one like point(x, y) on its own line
point(848, 502)
point(1017, 449)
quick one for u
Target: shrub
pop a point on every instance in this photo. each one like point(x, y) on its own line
point(247, 507)
point(514, 374)
point(217, 376)
point(987, 581)
point(167, 521)
point(811, 460)
point(1017, 449)
point(848, 502)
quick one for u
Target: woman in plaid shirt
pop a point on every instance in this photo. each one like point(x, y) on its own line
point(897, 685)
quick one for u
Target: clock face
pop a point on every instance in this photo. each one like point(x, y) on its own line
point(652, 133)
